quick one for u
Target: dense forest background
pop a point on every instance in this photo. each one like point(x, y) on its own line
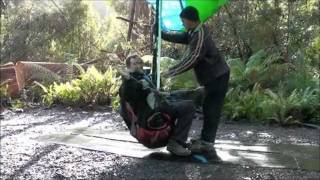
point(272, 47)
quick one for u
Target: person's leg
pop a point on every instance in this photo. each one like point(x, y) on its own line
point(183, 112)
point(212, 106)
point(196, 95)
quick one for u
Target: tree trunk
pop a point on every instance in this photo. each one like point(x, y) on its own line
point(235, 32)
point(131, 17)
point(152, 20)
point(276, 31)
point(287, 54)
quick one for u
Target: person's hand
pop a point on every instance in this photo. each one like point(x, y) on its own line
point(155, 29)
point(199, 89)
point(162, 93)
point(145, 84)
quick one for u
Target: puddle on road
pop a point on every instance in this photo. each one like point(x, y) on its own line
point(264, 155)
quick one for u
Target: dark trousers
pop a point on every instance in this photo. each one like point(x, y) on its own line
point(215, 92)
point(183, 112)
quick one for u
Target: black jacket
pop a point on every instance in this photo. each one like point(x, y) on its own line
point(202, 55)
point(133, 92)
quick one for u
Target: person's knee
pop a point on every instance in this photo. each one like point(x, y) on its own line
point(189, 107)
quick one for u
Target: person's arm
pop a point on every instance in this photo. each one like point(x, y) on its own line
point(197, 51)
point(175, 37)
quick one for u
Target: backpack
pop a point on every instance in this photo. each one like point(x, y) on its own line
point(156, 134)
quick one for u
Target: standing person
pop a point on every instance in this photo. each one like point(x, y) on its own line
point(140, 93)
point(211, 71)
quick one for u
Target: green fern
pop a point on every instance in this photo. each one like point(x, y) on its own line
point(92, 87)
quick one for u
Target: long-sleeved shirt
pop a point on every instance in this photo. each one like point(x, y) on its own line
point(202, 55)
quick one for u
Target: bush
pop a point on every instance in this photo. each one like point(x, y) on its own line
point(269, 90)
point(4, 96)
point(303, 75)
point(245, 104)
point(279, 105)
point(4, 91)
point(271, 106)
point(92, 87)
point(238, 76)
point(186, 80)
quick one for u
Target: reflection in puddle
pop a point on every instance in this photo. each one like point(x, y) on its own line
point(249, 132)
point(243, 147)
point(226, 156)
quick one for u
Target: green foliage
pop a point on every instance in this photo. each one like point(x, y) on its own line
point(4, 91)
point(186, 80)
point(271, 106)
point(262, 68)
point(244, 27)
point(97, 87)
point(299, 106)
point(313, 53)
point(4, 95)
point(278, 106)
point(41, 31)
point(309, 105)
point(34, 93)
point(287, 92)
point(115, 102)
point(303, 75)
point(237, 76)
point(68, 93)
point(92, 87)
point(18, 104)
point(245, 104)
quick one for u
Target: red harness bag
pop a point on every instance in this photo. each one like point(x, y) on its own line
point(154, 138)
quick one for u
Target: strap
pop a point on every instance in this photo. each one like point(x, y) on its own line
point(166, 123)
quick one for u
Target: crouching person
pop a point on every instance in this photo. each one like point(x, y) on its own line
point(151, 118)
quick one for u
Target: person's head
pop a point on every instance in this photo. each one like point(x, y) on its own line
point(134, 63)
point(190, 17)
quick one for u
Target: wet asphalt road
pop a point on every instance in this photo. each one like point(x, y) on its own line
point(22, 157)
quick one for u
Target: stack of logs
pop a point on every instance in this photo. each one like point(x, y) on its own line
point(18, 75)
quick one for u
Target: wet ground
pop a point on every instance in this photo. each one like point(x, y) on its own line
point(23, 156)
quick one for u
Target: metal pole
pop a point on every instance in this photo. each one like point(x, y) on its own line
point(181, 5)
point(155, 50)
point(159, 46)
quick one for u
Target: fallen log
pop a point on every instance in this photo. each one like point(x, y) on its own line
point(8, 76)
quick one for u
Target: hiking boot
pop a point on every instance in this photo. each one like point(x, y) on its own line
point(200, 146)
point(197, 146)
point(177, 149)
